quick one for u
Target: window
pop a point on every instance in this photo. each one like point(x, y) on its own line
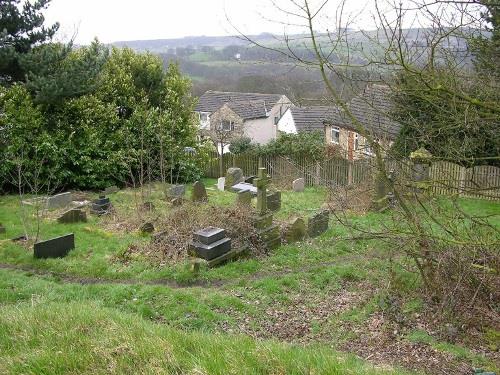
point(204, 117)
point(368, 149)
point(356, 142)
point(335, 134)
point(226, 126)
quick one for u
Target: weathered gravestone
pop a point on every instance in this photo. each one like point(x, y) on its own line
point(318, 224)
point(244, 198)
point(199, 193)
point(54, 248)
point(296, 230)
point(210, 243)
point(268, 232)
point(2, 229)
point(147, 228)
point(274, 201)
point(100, 206)
point(243, 186)
point(111, 190)
point(176, 191)
point(220, 183)
point(233, 176)
point(74, 215)
point(59, 200)
point(298, 185)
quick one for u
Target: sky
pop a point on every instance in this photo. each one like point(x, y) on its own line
point(119, 20)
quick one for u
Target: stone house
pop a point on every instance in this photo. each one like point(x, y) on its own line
point(224, 116)
point(372, 108)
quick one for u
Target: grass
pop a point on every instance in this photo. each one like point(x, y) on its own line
point(88, 313)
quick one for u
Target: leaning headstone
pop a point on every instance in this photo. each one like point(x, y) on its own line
point(59, 200)
point(318, 224)
point(233, 176)
point(244, 198)
point(147, 228)
point(298, 185)
point(296, 230)
point(74, 215)
point(101, 206)
point(54, 248)
point(176, 191)
point(111, 190)
point(199, 193)
point(243, 186)
point(2, 229)
point(210, 243)
point(274, 201)
point(220, 183)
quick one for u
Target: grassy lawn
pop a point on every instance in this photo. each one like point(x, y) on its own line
point(298, 310)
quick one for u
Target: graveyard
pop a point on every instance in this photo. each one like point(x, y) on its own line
point(245, 280)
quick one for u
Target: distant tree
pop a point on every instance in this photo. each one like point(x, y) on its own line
point(21, 29)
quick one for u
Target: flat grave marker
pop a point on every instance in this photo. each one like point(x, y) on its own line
point(54, 248)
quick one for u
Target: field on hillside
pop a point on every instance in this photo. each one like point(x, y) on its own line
point(116, 304)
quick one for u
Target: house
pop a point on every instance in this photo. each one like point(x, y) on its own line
point(224, 116)
point(372, 109)
point(302, 119)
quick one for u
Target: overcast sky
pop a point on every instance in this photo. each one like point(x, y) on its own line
point(114, 20)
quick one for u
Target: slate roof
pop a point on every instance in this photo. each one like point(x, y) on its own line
point(211, 101)
point(313, 118)
point(249, 109)
point(372, 108)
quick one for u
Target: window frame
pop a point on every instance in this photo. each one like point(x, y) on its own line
point(336, 139)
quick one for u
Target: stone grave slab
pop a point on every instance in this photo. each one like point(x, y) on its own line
point(59, 200)
point(211, 251)
point(233, 176)
point(243, 186)
point(209, 235)
point(100, 206)
point(54, 248)
point(274, 201)
point(176, 191)
point(230, 255)
point(74, 215)
point(318, 224)
point(244, 198)
point(296, 230)
point(221, 181)
point(298, 185)
point(199, 193)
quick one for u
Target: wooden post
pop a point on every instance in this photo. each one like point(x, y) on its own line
point(317, 177)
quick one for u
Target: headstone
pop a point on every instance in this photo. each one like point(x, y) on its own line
point(296, 230)
point(60, 200)
point(249, 179)
point(243, 186)
point(176, 191)
point(55, 248)
point(318, 224)
point(199, 193)
point(177, 202)
point(147, 228)
point(274, 201)
point(111, 190)
point(210, 243)
point(233, 176)
point(298, 185)
point(261, 184)
point(244, 198)
point(101, 206)
point(74, 215)
point(220, 183)
point(2, 229)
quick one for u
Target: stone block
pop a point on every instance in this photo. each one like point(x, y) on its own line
point(209, 252)
point(274, 201)
point(296, 230)
point(244, 198)
point(59, 200)
point(55, 248)
point(318, 224)
point(199, 193)
point(74, 215)
point(264, 221)
point(298, 185)
point(176, 191)
point(209, 235)
point(233, 176)
point(101, 206)
point(243, 186)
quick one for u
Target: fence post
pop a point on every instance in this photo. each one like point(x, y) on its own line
point(461, 183)
point(317, 177)
point(349, 172)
